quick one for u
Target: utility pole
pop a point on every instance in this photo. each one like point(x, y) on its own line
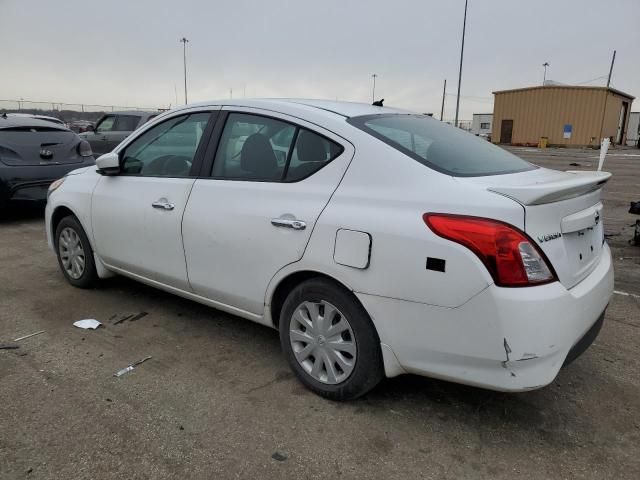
point(613, 59)
point(544, 78)
point(464, 27)
point(373, 92)
point(606, 95)
point(444, 93)
point(231, 92)
point(184, 55)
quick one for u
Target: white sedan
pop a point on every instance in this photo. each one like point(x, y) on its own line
point(377, 241)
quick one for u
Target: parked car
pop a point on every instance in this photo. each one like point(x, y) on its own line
point(34, 153)
point(81, 126)
point(113, 128)
point(380, 242)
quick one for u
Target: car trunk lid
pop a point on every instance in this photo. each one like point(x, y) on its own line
point(563, 215)
point(38, 145)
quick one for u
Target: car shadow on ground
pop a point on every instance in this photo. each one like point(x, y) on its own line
point(407, 394)
point(16, 213)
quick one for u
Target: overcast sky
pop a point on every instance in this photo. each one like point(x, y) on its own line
point(126, 52)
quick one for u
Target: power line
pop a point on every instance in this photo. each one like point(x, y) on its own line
point(592, 80)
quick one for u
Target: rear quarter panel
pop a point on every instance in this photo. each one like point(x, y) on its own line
point(384, 193)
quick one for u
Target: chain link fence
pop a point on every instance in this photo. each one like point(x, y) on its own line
point(67, 112)
point(463, 124)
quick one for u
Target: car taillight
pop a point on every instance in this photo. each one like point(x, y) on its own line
point(511, 257)
point(84, 149)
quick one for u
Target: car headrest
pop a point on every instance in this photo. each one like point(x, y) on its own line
point(311, 147)
point(257, 157)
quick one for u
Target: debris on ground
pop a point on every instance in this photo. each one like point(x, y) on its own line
point(127, 369)
point(575, 164)
point(138, 316)
point(87, 323)
point(279, 456)
point(28, 336)
point(8, 346)
point(131, 317)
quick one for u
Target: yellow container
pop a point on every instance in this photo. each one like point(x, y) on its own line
point(544, 141)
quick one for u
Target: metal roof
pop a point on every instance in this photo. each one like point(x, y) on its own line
point(578, 87)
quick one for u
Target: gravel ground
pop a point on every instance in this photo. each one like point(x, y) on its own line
point(217, 399)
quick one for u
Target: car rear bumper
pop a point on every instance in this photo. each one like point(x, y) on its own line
point(30, 183)
point(508, 339)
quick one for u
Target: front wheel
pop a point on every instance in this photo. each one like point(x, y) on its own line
point(75, 255)
point(330, 341)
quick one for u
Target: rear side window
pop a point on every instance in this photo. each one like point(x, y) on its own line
point(310, 154)
point(440, 146)
point(126, 123)
point(255, 147)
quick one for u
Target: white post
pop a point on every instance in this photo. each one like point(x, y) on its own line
point(604, 147)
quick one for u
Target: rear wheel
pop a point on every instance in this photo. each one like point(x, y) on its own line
point(329, 341)
point(75, 255)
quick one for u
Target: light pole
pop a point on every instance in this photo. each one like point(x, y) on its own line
point(184, 56)
point(444, 92)
point(464, 28)
point(544, 79)
point(373, 92)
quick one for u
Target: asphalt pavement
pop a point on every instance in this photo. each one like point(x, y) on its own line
point(217, 400)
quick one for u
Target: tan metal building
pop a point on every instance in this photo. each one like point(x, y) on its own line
point(563, 114)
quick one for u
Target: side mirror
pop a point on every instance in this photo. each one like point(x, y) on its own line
point(90, 128)
point(108, 164)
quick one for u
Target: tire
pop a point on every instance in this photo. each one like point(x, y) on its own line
point(337, 377)
point(69, 233)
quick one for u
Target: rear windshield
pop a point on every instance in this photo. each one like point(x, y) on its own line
point(440, 146)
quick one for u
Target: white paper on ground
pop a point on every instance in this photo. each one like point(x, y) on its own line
point(87, 323)
point(604, 147)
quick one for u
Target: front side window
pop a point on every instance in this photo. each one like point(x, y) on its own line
point(440, 146)
point(126, 123)
point(167, 149)
point(106, 124)
point(253, 147)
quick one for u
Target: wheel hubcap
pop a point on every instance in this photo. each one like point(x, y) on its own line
point(71, 252)
point(323, 342)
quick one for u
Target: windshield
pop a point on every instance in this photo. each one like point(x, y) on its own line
point(440, 146)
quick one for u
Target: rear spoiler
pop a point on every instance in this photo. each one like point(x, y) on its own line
point(574, 185)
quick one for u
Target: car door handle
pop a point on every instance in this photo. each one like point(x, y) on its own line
point(288, 223)
point(163, 205)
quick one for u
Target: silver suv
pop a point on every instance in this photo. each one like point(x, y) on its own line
point(114, 127)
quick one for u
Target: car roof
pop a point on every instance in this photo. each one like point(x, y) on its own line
point(287, 105)
point(36, 115)
point(134, 112)
point(11, 121)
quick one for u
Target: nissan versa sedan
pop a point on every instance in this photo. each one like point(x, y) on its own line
point(33, 153)
point(376, 241)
